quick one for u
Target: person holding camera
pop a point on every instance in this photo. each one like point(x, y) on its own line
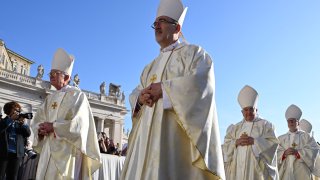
point(13, 131)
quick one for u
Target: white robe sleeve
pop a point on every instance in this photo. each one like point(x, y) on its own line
point(266, 145)
point(228, 148)
point(193, 100)
point(229, 144)
point(309, 151)
point(166, 101)
point(34, 124)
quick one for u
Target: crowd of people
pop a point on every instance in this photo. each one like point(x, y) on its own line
point(106, 145)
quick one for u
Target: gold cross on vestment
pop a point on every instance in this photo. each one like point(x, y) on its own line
point(294, 145)
point(153, 78)
point(54, 105)
point(244, 134)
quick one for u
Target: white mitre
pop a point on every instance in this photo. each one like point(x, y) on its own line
point(305, 125)
point(62, 61)
point(173, 9)
point(248, 97)
point(294, 112)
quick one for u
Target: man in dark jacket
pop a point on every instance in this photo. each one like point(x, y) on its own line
point(13, 132)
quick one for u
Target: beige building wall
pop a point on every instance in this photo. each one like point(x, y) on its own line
point(13, 61)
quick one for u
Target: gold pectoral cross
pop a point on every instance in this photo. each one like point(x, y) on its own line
point(153, 78)
point(294, 145)
point(244, 134)
point(54, 105)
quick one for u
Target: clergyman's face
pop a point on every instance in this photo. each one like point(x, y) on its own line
point(164, 29)
point(249, 113)
point(292, 124)
point(57, 79)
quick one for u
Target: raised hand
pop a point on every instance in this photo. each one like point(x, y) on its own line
point(45, 128)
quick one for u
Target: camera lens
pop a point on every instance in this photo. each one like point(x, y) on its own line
point(26, 115)
point(31, 154)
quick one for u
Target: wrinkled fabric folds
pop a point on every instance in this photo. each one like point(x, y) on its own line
point(74, 139)
point(182, 142)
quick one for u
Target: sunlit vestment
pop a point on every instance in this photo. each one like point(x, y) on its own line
point(316, 169)
point(182, 142)
point(300, 166)
point(254, 162)
point(72, 151)
point(225, 155)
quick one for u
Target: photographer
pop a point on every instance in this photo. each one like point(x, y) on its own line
point(13, 132)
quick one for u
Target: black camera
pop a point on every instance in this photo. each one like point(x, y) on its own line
point(31, 153)
point(26, 115)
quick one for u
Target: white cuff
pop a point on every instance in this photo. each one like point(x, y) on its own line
point(166, 101)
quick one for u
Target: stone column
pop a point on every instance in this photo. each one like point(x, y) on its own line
point(117, 132)
point(100, 124)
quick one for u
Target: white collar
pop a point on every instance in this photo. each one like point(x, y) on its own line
point(293, 133)
point(67, 88)
point(170, 47)
point(257, 118)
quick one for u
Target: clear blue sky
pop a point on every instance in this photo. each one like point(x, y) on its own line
point(271, 45)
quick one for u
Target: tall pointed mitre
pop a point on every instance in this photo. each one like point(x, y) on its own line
point(62, 61)
point(305, 125)
point(248, 97)
point(294, 112)
point(173, 9)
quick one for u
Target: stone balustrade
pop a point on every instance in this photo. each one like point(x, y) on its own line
point(32, 81)
point(17, 77)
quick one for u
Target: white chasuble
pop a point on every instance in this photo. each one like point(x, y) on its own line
point(243, 150)
point(254, 162)
point(300, 166)
point(316, 169)
point(73, 146)
point(182, 142)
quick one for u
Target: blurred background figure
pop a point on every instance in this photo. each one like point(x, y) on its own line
point(297, 151)
point(102, 145)
point(306, 126)
point(250, 146)
point(111, 148)
point(13, 133)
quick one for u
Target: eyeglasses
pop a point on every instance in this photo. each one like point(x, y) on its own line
point(55, 73)
point(154, 24)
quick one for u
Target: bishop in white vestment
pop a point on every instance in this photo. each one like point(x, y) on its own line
point(174, 135)
point(297, 151)
point(250, 146)
point(64, 128)
point(306, 126)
